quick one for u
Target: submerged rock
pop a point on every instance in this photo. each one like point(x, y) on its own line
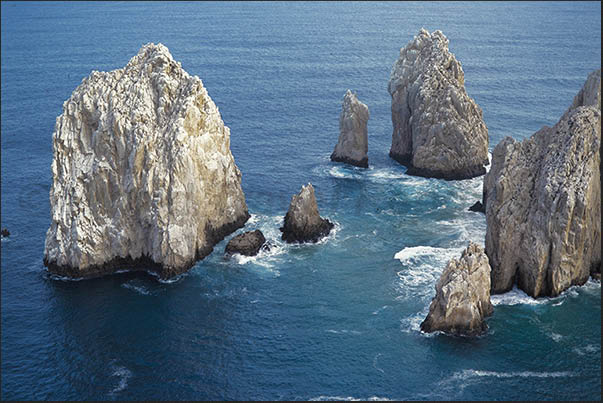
point(543, 202)
point(143, 176)
point(4, 232)
point(438, 130)
point(303, 222)
point(352, 146)
point(478, 207)
point(248, 243)
point(462, 298)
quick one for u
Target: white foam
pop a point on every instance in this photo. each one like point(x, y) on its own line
point(139, 289)
point(475, 373)
point(555, 336)
point(588, 349)
point(418, 251)
point(516, 297)
point(124, 375)
point(343, 331)
point(384, 307)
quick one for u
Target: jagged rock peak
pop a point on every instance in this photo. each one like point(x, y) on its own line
point(438, 130)
point(303, 222)
point(352, 147)
point(462, 299)
point(543, 202)
point(143, 176)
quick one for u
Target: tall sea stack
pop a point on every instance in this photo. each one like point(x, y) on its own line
point(352, 146)
point(543, 202)
point(143, 176)
point(438, 130)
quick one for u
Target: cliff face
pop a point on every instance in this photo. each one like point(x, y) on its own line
point(438, 130)
point(462, 298)
point(143, 176)
point(352, 147)
point(543, 202)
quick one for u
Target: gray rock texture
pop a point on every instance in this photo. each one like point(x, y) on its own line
point(462, 298)
point(248, 243)
point(143, 176)
point(438, 130)
point(352, 146)
point(543, 202)
point(302, 221)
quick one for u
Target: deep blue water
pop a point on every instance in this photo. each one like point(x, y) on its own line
point(339, 319)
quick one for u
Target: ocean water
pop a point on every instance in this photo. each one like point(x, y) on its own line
point(335, 320)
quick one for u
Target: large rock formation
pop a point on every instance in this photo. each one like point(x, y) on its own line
point(352, 146)
point(438, 130)
point(248, 243)
point(462, 298)
point(303, 222)
point(143, 176)
point(543, 202)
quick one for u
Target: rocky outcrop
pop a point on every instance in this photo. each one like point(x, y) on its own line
point(143, 176)
point(543, 202)
point(303, 222)
point(352, 146)
point(248, 243)
point(478, 207)
point(5, 233)
point(438, 130)
point(462, 298)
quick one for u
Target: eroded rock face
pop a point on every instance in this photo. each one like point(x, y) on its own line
point(543, 202)
point(143, 176)
point(303, 222)
point(462, 298)
point(438, 130)
point(352, 146)
point(248, 243)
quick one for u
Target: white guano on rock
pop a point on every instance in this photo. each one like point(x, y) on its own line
point(543, 202)
point(438, 130)
point(462, 299)
point(143, 176)
point(352, 146)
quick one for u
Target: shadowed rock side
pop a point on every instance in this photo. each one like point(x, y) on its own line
point(248, 243)
point(462, 298)
point(352, 146)
point(303, 222)
point(438, 130)
point(4, 233)
point(543, 202)
point(478, 207)
point(143, 176)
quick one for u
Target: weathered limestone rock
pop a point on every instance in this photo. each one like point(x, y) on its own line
point(438, 130)
point(462, 298)
point(352, 146)
point(303, 222)
point(143, 176)
point(543, 202)
point(248, 243)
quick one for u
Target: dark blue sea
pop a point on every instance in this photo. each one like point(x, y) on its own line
point(334, 320)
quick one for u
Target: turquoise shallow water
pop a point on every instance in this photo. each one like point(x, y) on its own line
point(335, 320)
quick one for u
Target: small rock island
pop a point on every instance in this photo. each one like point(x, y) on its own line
point(303, 223)
point(143, 176)
point(248, 243)
point(543, 202)
point(438, 131)
point(462, 298)
point(352, 147)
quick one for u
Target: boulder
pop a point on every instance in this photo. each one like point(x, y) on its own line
point(143, 176)
point(543, 202)
point(248, 243)
point(438, 131)
point(478, 207)
point(352, 146)
point(5, 233)
point(462, 299)
point(303, 222)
